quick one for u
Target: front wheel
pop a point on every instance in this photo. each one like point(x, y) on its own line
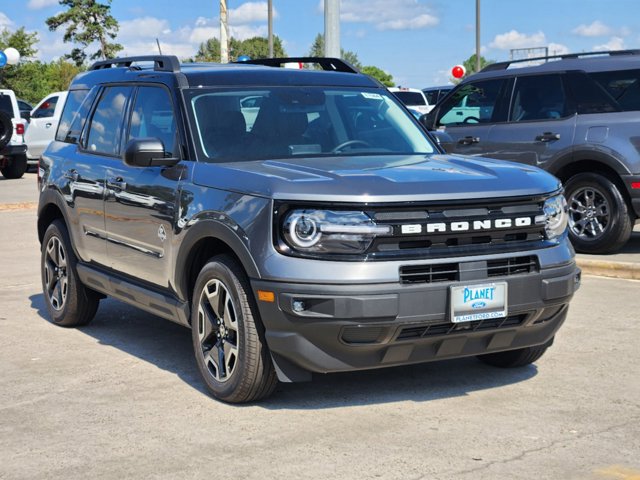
point(599, 218)
point(515, 358)
point(228, 340)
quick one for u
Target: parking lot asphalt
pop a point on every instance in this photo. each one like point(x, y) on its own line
point(23, 194)
point(121, 398)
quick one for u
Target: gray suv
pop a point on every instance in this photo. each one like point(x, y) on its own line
point(297, 221)
point(576, 116)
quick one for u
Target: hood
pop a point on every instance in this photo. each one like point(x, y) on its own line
point(374, 179)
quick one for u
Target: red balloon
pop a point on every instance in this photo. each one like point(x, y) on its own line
point(458, 71)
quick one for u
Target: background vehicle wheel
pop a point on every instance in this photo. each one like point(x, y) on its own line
point(515, 358)
point(16, 167)
point(6, 129)
point(599, 218)
point(69, 302)
point(228, 338)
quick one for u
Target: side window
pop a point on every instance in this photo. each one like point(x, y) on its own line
point(153, 116)
point(46, 108)
point(74, 115)
point(106, 123)
point(587, 95)
point(623, 86)
point(473, 103)
point(539, 97)
point(432, 96)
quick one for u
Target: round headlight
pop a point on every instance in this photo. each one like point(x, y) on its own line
point(304, 230)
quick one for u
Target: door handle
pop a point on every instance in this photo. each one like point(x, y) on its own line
point(469, 140)
point(117, 182)
point(48, 125)
point(548, 137)
point(72, 175)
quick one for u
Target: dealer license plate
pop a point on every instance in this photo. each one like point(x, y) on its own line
point(478, 302)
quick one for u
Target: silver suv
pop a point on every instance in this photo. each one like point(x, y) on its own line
point(574, 115)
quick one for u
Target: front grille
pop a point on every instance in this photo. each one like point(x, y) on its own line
point(451, 272)
point(449, 328)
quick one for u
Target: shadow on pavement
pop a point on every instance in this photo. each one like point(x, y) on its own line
point(168, 346)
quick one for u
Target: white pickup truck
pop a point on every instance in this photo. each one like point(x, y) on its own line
point(13, 150)
point(43, 125)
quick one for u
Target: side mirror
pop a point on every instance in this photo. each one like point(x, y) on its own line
point(147, 152)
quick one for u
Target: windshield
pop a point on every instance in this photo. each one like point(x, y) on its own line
point(281, 122)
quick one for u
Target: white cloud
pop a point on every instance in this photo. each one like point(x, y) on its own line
point(39, 4)
point(596, 29)
point(144, 27)
point(515, 39)
point(5, 22)
point(614, 43)
point(250, 12)
point(404, 15)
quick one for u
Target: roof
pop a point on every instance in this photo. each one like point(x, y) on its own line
point(167, 69)
point(587, 62)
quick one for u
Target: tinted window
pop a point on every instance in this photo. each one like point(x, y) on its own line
point(22, 105)
point(153, 116)
point(74, 115)
point(5, 105)
point(538, 98)
point(432, 96)
point(622, 85)
point(302, 121)
point(473, 103)
point(106, 123)
point(588, 96)
point(46, 109)
point(410, 98)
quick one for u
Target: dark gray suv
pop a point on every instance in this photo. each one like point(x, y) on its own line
point(298, 221)
point(577, 116)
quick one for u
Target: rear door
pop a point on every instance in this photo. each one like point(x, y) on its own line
point(140, 202)
point(44, 122)
point(541, 123)
point(470, 113)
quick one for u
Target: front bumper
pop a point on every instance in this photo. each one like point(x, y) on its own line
point(355, 327)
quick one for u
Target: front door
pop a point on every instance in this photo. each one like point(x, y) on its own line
point(43, 124)
point(140, 202)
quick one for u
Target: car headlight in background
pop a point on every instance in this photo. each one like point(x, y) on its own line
point(555, 216)
point(326, 231)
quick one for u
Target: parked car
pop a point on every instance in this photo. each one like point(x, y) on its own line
point(412, 98)
point(332, 235)
point(435, 94)
point(44, 123)
point(577, 116)
point(13, 158)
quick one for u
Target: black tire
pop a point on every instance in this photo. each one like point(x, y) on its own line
point(69, 302)
point(605, 225)
point(229, 334)
point(17, 165)
point(6, 129)
point(515, 358)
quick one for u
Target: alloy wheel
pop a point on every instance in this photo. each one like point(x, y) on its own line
point(55, 273)
point(589, 213)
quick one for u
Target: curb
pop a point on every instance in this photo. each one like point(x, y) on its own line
point(603, 268)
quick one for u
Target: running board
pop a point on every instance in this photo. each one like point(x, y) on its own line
point(160, 304)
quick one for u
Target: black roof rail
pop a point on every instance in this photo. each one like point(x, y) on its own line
point(161, 63)
point(504, 65)
point(327, 63)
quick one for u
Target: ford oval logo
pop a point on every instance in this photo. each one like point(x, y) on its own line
point(478, 305)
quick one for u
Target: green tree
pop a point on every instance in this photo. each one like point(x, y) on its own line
point(28, 78)
point(255, 47)
point(383, 77)
point(317, 50)
point(87, 22)
point(60, 73)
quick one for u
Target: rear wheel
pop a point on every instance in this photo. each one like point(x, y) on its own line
point(69, 302)
point(16, 167)
point(230, 349)
point(599, 218)
point(515, 358)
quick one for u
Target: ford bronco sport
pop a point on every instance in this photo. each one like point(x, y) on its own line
point(298, 221)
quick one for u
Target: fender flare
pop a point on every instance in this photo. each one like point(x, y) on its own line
point(605, 159)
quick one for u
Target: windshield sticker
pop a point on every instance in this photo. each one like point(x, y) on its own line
point(372, 96)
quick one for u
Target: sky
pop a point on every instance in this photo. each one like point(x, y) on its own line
point(416, 41)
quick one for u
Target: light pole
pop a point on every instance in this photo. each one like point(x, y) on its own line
point(477, 35)
point(224, 33)
point(270, 22)
point(332, 28)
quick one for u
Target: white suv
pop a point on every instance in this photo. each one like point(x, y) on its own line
point(412, 98)
point(13, 158)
